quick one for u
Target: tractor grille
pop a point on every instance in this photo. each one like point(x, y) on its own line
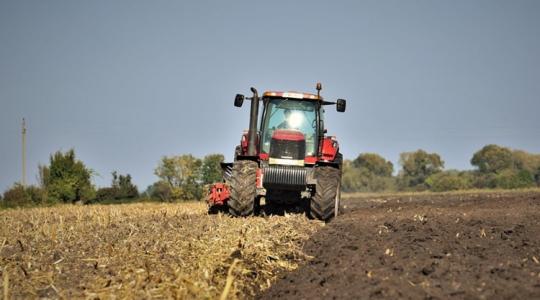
point(288, 149)
point(284, 177)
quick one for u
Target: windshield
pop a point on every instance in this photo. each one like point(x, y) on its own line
point(291, 114)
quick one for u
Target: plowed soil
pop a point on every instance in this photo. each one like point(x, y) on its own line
point(463, 246)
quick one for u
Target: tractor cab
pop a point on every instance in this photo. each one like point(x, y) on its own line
point(290, 127)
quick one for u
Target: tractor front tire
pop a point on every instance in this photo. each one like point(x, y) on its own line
point(325, 202)
point(243, 188)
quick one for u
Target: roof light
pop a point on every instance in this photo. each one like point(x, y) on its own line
point(293, 95)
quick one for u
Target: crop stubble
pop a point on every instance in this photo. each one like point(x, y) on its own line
point(144, 250)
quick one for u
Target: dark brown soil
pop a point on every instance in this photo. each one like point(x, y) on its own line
point(475, 246)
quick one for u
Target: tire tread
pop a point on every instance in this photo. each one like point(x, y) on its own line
point(243, 188)
point(323, 203)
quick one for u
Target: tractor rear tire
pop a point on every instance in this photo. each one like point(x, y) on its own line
point(325, 202)
point(243, 188)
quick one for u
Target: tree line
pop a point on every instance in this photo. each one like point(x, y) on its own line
point(66, 179)
point(494, 167)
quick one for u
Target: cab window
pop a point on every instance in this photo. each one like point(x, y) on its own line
point(293, 115)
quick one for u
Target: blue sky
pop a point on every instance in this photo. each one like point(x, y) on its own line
point(126, 82)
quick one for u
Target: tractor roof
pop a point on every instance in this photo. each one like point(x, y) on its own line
point(292, 95)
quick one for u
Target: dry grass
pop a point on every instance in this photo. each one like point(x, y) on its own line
point(144, 251)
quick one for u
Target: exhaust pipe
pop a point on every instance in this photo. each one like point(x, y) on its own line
point(252, 133)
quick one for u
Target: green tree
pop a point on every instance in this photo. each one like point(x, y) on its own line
point(67, 179)
point(38, 195)
point(501, 167)
point(493, 159)
point(125, 188)
point(18, 195)
point(449, 181)
point(105, 194)
point(211, 168)
point(514, 179)
point(350, 178)
point(417, 166)
point(369, 172)
point(374, 164)
point(43, 175)
point(161, 190)
point(121, 189)
point(526, 161)
point(182, 174)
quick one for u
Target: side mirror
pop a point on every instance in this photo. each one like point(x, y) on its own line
point(238, 100)
point(340, 105)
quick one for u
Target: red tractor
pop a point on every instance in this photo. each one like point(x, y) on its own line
point(290, 161)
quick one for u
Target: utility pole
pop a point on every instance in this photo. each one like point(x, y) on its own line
point(23, 153)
